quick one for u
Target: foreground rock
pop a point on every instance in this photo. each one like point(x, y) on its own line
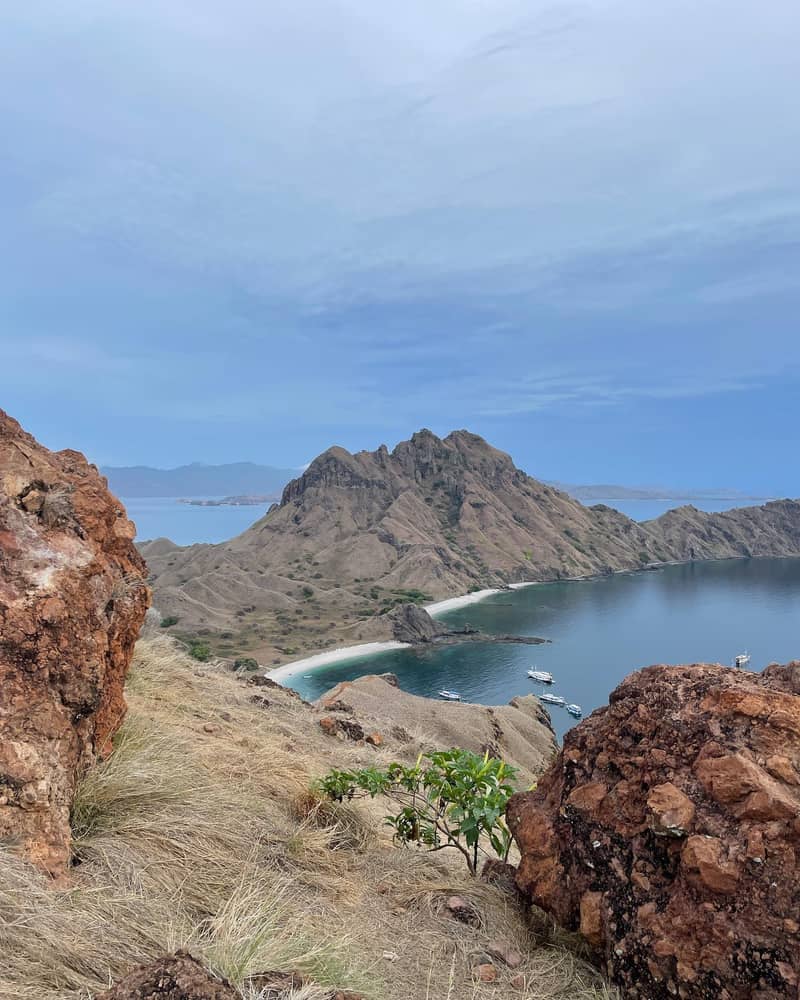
point(176, 977)
point(72, 599)
point(519, 732)
point(668, 829)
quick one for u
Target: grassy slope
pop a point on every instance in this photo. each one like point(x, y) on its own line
point(199, 831)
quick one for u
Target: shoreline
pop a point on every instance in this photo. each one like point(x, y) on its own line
point(326, 659)
point(317, 660)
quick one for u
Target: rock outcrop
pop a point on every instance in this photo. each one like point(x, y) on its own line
point(175, 977)
point(667, 831)
point(72, 598)
point(414, 625)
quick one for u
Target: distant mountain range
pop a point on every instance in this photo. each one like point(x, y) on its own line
point(252, 479)
point(358, 534)
point(198, 480)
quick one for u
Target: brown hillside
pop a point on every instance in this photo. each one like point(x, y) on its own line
point(432, 518)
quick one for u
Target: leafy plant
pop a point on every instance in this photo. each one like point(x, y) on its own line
point(200, 651)
point(449, 798)
point(245, 663)
point(169, 621)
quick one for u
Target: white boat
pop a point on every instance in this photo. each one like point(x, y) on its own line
point(741, 660)
point(450, 695)
point(543, 676)
point(553, 699)
point(575, 710)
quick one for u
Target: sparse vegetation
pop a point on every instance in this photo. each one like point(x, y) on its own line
point(247, 663)
point(449, 798)
point(169, 621)
point(200, 650)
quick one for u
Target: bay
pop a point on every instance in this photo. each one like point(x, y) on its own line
point(601, 630)
point(184, 523)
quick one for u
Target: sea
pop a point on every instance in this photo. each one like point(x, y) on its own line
point(599, 630)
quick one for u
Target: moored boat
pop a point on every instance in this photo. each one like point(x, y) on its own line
point(543, 676)
point(575, 710)
point(741, 660)
point(450, 695)
point(553, 699)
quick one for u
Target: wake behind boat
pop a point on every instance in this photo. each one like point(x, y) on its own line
point(543, 676)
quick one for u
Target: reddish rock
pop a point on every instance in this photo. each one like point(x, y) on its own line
point(484, 973)
point(671, 812)
point(464, 910)
point(329, 725)
point(374, 739)
point(668, 830)
point(505, 953)
point(176, 977)
point(72, 599)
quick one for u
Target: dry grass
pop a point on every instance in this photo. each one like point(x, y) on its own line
point(200, 832)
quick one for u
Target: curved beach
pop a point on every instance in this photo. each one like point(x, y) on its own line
point(310, 663)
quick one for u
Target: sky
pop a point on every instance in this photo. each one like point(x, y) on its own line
point(249, 231)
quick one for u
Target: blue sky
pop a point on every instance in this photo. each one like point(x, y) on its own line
point(249, 231)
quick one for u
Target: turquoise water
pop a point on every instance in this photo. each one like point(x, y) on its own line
point(601, 630)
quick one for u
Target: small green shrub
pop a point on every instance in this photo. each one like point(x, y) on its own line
point(449, 798)
point(245, 663)
point(308, 591)
point(169, 621)
point(200, 651)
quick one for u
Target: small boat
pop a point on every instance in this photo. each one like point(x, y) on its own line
point(741, 660)
point(450, 695)
point(553, 699)
point(575, 710)
point(543, 676)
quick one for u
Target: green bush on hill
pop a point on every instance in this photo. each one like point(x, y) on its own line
point(449, 798)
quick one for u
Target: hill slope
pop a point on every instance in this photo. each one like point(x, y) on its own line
point(356, 534)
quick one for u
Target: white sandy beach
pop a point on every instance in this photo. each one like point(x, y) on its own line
point(318, 660)
point(311, 663)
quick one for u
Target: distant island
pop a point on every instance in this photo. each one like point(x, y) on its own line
point(609, 491)
point(237, 501)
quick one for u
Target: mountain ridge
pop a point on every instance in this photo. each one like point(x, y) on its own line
point(359, 533)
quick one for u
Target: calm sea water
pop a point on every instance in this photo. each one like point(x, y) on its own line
point(164, 517)
point(601, 630)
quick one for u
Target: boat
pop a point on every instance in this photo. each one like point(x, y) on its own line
point(575, 710)
point(741, 660)
point(450, 695)
point(543, 676)
point(553, 699)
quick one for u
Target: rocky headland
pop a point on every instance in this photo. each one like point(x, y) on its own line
point(360, 534)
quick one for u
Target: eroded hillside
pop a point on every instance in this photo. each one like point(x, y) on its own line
point(357, 534)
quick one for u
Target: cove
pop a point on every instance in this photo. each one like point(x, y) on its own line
point(601, 630)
